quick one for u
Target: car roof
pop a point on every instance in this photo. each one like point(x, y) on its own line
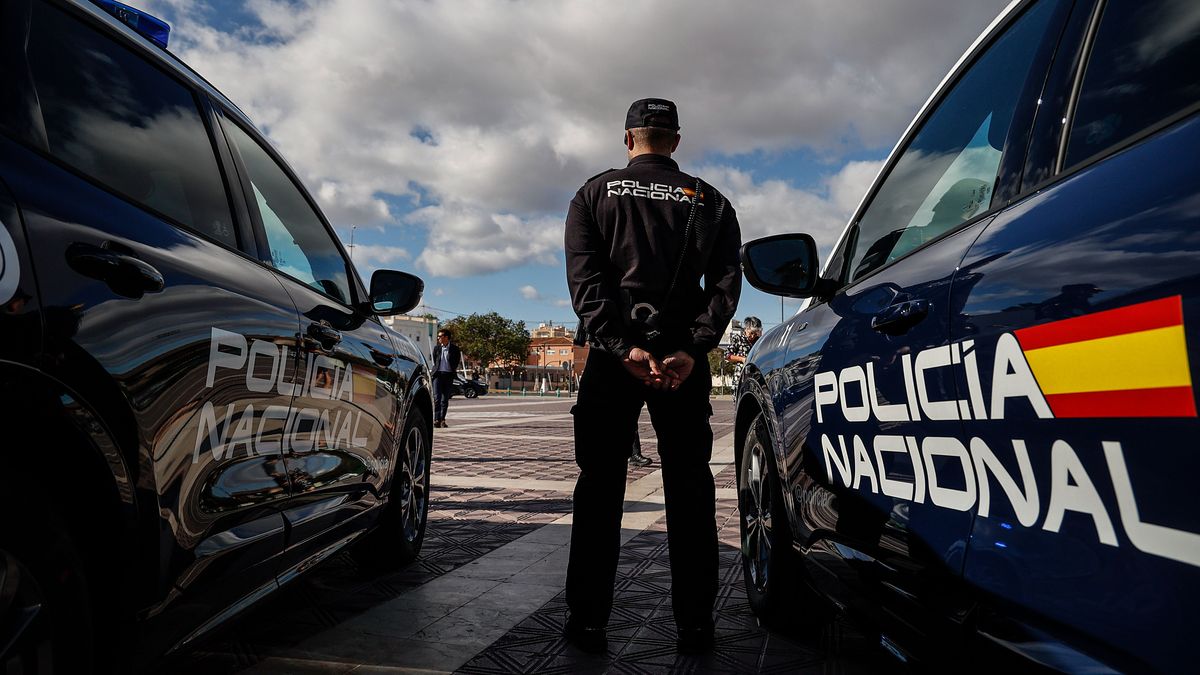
point(163, 57)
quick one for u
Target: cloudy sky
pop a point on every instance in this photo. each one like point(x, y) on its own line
point(448, 136)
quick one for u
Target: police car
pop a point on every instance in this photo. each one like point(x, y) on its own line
point(979, 433)
point(198, 401)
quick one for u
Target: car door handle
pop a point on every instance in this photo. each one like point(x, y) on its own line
point(325, 334)
point(900, 317)
point(125, 274)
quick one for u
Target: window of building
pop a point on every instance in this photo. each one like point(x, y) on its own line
point(113, 116)
point(946, 175)
point(1142, 70)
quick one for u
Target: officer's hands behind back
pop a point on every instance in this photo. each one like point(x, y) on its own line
point(679, 365)
point(664, 376)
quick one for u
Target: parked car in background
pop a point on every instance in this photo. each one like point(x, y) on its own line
point(978, 434)
point(468, 388)
point(199, 401)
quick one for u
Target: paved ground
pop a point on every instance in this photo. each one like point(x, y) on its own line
point(486, 594)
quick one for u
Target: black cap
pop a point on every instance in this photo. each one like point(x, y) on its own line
point(653, 112)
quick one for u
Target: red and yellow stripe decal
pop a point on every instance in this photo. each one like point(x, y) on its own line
point(1126, 362)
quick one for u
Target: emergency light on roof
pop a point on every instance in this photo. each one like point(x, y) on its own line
point(150, 27)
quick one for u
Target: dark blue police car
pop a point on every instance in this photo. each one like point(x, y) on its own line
point(198, 401)
point(979, 434)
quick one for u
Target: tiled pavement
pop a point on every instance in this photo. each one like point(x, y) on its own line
point(485, 595)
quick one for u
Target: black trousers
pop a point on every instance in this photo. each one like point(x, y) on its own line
point(441, 394)
point(605, 419)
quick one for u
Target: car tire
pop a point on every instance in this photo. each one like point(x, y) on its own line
point(397, 538)
point(771, 568)
point(45, 608)
point(470, 392)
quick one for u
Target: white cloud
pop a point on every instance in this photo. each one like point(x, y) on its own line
point(368, 258)
point(489, 115)
point(774, 206)
point(466, 240)
point(531, 293)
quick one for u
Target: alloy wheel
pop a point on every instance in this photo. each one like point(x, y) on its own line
point(756, 497)
point(25, 632)
point(415, 484)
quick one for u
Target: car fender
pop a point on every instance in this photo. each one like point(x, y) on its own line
point(62, 403)
point(38, 398)
point(413, 368)
point(754, 399)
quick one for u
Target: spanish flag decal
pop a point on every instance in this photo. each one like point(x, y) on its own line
point(1126, 362)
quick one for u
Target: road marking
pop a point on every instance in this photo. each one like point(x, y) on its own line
point(502, 402)
point(525, 437)
point(502, 483)
point(508, 421)
point(488, 414)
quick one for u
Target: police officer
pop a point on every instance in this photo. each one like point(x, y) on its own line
point(639, 241)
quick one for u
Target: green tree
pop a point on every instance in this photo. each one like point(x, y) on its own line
point(718, 367)
point(490, 339)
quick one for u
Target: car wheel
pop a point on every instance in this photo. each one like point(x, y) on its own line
point(45, 624)
point(470, 392)
point(396, 541)
point(770, 566)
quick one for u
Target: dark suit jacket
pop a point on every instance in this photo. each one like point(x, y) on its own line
point(455, 357)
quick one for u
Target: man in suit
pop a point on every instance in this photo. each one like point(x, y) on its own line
point(446, 359)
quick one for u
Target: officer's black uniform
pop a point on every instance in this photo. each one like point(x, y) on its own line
point(624, 232)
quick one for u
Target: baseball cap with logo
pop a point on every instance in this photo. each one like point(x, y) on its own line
point(652, 112)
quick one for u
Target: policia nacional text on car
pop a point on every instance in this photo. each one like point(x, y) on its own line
point(638, 242)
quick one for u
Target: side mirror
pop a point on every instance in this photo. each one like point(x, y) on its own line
point(785, 264)
point(394, 292)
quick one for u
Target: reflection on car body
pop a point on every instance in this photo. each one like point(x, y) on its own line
point(200, 399)
point(973, 432)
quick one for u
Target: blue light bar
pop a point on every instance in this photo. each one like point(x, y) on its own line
point(150, 27)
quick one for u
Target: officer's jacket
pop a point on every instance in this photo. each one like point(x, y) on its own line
point(625, 229)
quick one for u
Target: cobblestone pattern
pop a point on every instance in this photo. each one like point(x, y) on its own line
point(464, 524)
point(467, 523)
point(642, 628)
point(551, 459)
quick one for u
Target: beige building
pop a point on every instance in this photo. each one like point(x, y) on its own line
point(551, 352)
point(421, 330)
point(549, 330)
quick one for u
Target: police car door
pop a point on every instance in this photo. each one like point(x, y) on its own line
point(154, 313)
point(892, 513)
point(1082, 303)
point(342, 437)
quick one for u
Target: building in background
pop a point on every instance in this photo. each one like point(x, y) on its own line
point(549, 330)
point(551, 352)
point(422, 330)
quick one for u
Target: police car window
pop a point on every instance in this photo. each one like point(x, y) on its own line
point(300, 244)
point(1143, 69)
point(947, 173)
point(111, 115)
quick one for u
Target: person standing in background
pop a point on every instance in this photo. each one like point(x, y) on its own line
point(637, 459)
point(740, 345)
point(446, 359)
